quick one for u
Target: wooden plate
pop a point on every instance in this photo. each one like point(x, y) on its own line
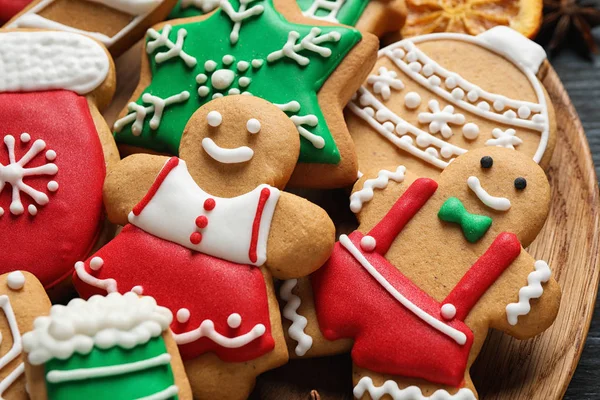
point(506, 368)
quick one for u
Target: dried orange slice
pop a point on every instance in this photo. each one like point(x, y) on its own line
point(471, 16)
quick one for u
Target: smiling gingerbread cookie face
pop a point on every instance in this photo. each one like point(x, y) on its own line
point(242, 140)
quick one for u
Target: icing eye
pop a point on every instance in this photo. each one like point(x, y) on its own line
point(253, 125)
point(486, 162)
point(214, 118)
point(520, 183)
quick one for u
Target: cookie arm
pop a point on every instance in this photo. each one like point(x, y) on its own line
point(301, 238)
point(127, 182)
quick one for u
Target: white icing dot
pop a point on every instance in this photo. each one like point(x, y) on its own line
point(228, 59)
point(446, 151)
point(482, 105)
point(470, 130)
point(510, 114)
point(25, 137)
point(201, 78)
point(257, 63)
point(448, 311)
point(432, 152)
point(415, 66)
point(434, 80)
point(538, 118)
point(96, 263)
point(222, 78)
point(458, 93)
point(253, 125)
point(412, 56)
point(401, 129)
point(451, 82)
point(524, 112)
point(183, 315)
point(234, 320)
point(398, 53)
point(473, 96)
point(1, 211)
point(137, 290)
point(61, 330)
point(368, 243)
point(498, 105)
point(16, 280)
point(242, 66)
point(244, 81)
point(428, 70)
point(389, 126)
point(406, 139)
point(50, 155)
point(369, 111)
point(217, 95)
point(210, 65)
point(234, 91)
point(202, 91)
point(32, 210)
point(412, 100)
point(214, 118)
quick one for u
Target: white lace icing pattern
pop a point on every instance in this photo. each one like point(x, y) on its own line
point(364, 195)
point(299, 322)
point(366, 385)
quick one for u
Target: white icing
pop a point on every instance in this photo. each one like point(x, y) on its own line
point(234, 320)
point(256, 63)
point(110, 285)
point(132, 7)
point(384, 81)
point(207, 329)
point(183, 315)
point(227, 156)
point(15, 280)
point(175, 49)
point(16, 171)
point(390, 388)
point(310, 43)
point(412, 100)
point(470, 131)
point(11, 378)
point(439, 119)
point(364, 195)
point(163, 394)
point(138, 113)
point(16, 348)
point(299, 322)
point(139, 290)
point(331, 6)
point(454, 334)
point(299, 120)
point(214, 118)
point(253, 125)
point(205, 5)
point(493, 202)
point(368, 243)
point(448, 311)
point(39, 61)
point(104, 322)
point(171, 215)
point(222, 78)
point(513, 45)
point(96, 263)
point(239, 16)
point(507, 139)
point(533, 290)
point(25, 138)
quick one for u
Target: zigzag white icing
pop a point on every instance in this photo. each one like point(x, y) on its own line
point(357, 199)
point(299, 322)
point(365, 385)
point(533, 290)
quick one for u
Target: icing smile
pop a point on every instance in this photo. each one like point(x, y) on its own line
point(227, 156)
point(496, 203)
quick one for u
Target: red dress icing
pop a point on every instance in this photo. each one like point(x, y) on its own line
point(64, 230)
point(388, 337)
point(9, 8)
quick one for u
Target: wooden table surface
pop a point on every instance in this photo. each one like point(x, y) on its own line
point(581, 78)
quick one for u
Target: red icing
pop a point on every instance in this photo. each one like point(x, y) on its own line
point(65, 229)
point(388, 337)
point(162, 175)
point(209, 204)
point(264, 196)
point(196, 237)
point(201, 221)
point(9, 8)
point(177, 277)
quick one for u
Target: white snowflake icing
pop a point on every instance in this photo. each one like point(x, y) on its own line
point(175, 49)
point(222, 79)
point(139, 113)
point(16, 170)
point(240, 15)
point(507, 138)
point(439, 119)
point(310, 42)
point(384, 82)
point(205, 5)
point(299, 120)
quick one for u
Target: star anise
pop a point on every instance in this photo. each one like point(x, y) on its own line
point(570, 19)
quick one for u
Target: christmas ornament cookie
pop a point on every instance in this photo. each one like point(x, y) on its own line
point(378, 17)
point(432, 98)
point(432, 266)
point(206, 233)
point(309, 70)
point(51, 179)
point(118, 344)
point(22, 298)
point(117, 24)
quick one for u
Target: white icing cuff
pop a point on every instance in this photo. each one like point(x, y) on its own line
point(507, 41)
point(533, 290)
point(365, 385)
point(299, 322)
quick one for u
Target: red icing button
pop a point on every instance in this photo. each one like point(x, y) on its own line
point(196, 238)
point(201, 221)
point(209, 204)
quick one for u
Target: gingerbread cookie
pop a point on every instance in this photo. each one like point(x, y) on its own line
point(432, 98)
point(51, 179)
point(119, 345)
point(117, 24)
point(432, 266)
point(308, 70)
point(207, 242)
point(22, 298)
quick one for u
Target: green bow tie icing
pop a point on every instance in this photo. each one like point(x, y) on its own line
point(245, 47)
point(473, 226)
point(346, 12)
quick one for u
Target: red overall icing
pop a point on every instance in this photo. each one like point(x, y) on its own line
point(9, 8)
point(388, 338)
point(65, 229)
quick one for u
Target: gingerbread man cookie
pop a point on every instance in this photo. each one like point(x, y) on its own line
point(432, 266)
point(308, 69)
point(432, 98)
point(207, 233)
point(51, 211)
point(117, 24)
point(22, 299)
point(118, 345)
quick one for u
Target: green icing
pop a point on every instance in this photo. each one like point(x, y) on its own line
point(278, 81)
point(133, 385)
point(473, 226)
point(348, 13)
